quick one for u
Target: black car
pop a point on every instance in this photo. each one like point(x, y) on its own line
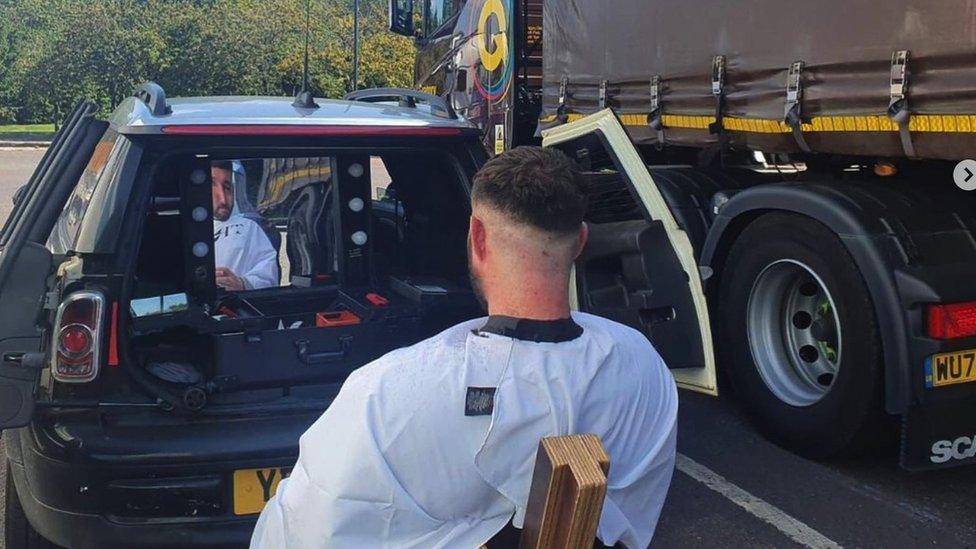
point(144, 405)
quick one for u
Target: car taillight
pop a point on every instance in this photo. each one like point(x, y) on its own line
point(76, 347)
point(951, 321)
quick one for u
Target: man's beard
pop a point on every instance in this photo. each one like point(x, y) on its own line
point(476, 286)
point(222, 213)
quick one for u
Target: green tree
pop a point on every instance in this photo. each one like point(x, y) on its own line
point(53, 52)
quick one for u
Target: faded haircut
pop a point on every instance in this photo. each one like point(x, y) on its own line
point(538, 187)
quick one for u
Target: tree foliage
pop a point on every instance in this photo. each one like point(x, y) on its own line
point(53, 52)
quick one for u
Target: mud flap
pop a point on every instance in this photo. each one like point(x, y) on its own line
point(939, 435)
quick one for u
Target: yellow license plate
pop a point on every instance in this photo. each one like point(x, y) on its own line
point(950, 368)
point(254, 487)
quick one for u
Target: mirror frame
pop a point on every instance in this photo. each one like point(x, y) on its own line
point(395, 26)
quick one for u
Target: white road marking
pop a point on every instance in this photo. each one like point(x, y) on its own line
point(757, 507)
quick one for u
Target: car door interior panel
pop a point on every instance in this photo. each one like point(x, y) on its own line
point(623, 275)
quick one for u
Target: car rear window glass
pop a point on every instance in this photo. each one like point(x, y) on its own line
point(106, 159)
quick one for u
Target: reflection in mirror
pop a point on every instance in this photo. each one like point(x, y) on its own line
point(157, 305)
point(272, 221)
point(401, 17)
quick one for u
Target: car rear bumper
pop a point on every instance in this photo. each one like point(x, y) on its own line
point(82, 530)
point(87, 483)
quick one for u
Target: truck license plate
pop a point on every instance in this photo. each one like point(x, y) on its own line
point(254, 487)
point(950, 368)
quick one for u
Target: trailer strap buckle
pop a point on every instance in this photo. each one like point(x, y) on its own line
point(561, 116)
point(898, 109)
point(654, 116)
point(792, 114)
point(718, 90)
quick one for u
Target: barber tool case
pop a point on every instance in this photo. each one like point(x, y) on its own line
point(316, 347)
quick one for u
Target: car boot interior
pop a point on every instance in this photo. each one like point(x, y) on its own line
point(371, 253)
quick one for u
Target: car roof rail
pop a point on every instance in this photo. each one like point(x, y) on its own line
point(154, 97)
point(407, 98)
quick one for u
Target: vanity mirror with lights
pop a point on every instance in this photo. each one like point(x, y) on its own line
point(273, 270)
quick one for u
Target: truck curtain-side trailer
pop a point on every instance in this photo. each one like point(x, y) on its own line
point(807, 149)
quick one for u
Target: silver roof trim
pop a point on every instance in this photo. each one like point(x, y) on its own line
point(133, 116)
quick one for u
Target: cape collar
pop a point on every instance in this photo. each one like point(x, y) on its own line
point(539, 331)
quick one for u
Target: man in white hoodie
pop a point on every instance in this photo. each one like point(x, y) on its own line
point(434, 445)
point(244, 257)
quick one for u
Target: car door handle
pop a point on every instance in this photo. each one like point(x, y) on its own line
point(27, 360)
point(641, 299)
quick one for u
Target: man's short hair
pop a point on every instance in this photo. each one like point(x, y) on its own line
point(539, 187)
point(223, 165)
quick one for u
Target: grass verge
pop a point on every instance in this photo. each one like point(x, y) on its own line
point(26, 132)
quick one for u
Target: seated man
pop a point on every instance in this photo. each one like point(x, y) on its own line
point(244, 257)
point(434, 445)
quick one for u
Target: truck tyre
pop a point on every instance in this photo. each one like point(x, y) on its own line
point(17, 532)
point(800, 340)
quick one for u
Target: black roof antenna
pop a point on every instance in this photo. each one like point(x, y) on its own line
point(305, 99)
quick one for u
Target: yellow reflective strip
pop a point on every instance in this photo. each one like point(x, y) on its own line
point(874, 123)
point(924, 123)
point(633, 119)
point(547, 119)
point(755, 125)
point(686, 121)
point(966, 124)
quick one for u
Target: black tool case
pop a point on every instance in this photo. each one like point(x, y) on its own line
point(269, 352)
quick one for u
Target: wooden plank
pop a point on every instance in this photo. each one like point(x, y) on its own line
point(566, 496)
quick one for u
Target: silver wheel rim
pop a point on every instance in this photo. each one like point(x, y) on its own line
point(794, 332)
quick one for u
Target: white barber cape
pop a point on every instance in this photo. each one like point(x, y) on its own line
point(241, 246)
point(413, 452)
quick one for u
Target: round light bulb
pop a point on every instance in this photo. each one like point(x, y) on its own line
point(200, 249)
point(198, 177)
point(356, 170)
point(359, 238)
point(356, 204)
point(199, 214)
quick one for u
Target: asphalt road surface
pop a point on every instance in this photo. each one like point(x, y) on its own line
point(732, 488)
point(16, 166)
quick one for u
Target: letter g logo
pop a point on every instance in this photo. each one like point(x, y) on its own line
point(498, 53)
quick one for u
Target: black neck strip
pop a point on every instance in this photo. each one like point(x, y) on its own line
point(539, 331)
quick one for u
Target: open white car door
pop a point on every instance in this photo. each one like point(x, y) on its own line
point(639, 266)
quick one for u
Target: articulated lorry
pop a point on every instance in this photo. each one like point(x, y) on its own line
point(813, 154)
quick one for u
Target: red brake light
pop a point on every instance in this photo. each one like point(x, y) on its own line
point(76, 340)
point(951, 321)
point(76, 349)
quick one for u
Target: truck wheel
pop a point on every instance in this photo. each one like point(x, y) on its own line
point(17, 532)
point(799, 338)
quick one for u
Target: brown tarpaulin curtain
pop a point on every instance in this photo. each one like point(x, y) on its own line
point(846, 47)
